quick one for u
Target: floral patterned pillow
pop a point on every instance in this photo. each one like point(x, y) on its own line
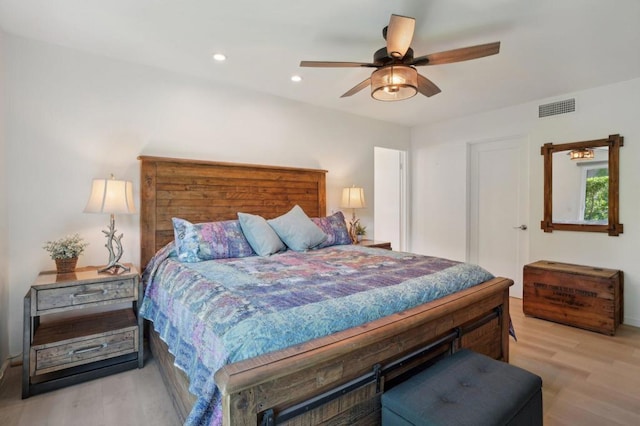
point(210, 240)
point(336, 229)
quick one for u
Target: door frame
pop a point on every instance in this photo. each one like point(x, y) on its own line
point(403, 191)
point(472, 226)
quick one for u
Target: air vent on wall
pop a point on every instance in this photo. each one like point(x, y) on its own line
point(556, 108)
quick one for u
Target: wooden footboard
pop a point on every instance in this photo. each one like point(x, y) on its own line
point(271, 384)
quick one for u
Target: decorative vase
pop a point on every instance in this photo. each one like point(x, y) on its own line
point(65, 266)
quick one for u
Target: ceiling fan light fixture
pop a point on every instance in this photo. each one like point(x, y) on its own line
point(396, 78)
point(394, 83)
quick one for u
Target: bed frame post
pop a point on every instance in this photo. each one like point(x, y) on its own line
point(148, 173)
point(505, 323)
point(244, 406)
point(322, 195)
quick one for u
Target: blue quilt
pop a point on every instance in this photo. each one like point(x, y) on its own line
point(221, 311)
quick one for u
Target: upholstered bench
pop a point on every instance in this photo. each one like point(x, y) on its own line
point(465, 388)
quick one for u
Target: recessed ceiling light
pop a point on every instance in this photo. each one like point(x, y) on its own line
point(296, 78)
point(219, 57)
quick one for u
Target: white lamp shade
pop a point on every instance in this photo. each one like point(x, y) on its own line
point(352, 198)
point(111, 196)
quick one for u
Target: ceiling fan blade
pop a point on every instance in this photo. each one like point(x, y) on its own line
point(357, 88)
point(329, 64)
point(458, 55)
point(427, 87)
point(399, 35)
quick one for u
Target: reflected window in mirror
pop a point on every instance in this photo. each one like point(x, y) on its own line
point(581, 186)
point(594, 193)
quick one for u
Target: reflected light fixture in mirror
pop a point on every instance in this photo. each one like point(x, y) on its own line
point(394, 83)
point(581, 154)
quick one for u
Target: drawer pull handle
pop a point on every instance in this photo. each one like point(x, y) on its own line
point(90, 293)
point(88, 349)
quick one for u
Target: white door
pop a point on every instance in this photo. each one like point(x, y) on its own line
point(498, 238)
point(390, 197)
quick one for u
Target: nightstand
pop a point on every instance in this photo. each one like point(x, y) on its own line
point(376, 244)
point(90, 328)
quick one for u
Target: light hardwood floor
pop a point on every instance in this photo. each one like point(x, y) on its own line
point(588, 379)
point(135, 397)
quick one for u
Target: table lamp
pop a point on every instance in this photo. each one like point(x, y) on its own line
point(353, 198)
point(113, 197)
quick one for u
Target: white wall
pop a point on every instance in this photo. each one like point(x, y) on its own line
point(439, 180)
point(4, 246)
point(73, 116)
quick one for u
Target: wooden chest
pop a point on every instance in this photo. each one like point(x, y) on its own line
point(581, 296)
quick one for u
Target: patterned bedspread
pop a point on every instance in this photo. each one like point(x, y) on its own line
point(221, 311)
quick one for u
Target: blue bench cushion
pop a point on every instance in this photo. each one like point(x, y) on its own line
point(466, 388)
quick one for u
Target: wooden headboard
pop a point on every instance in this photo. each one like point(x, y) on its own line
point(205, 191)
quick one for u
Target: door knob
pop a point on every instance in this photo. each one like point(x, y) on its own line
point(523, 227)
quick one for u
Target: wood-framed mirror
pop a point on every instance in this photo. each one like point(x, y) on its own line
point(581, 186)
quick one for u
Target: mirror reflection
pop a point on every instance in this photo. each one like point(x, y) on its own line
point(581, 186)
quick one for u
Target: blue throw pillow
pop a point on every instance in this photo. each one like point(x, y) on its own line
point(261, 236)
point(297, 231)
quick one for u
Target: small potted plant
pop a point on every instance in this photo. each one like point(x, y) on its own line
point(65, 252)
point(361, 231)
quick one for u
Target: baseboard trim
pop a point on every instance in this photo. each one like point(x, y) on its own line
point(3, 369)
point(635, 322)
point(16, 361)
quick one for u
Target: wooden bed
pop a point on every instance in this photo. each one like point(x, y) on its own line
point(355, 365)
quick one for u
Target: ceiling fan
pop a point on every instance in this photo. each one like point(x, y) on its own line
point(396, 77)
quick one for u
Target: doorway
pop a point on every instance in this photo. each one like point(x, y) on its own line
point(498, 222)
point(390, 197)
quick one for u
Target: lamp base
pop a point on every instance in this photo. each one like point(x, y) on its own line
point(353, 224)
point(114, 245)
point(114, 269)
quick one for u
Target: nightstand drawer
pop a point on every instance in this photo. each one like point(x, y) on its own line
point(77, 295)
point(48, 358)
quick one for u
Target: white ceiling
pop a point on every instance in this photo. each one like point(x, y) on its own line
point(549, 47)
